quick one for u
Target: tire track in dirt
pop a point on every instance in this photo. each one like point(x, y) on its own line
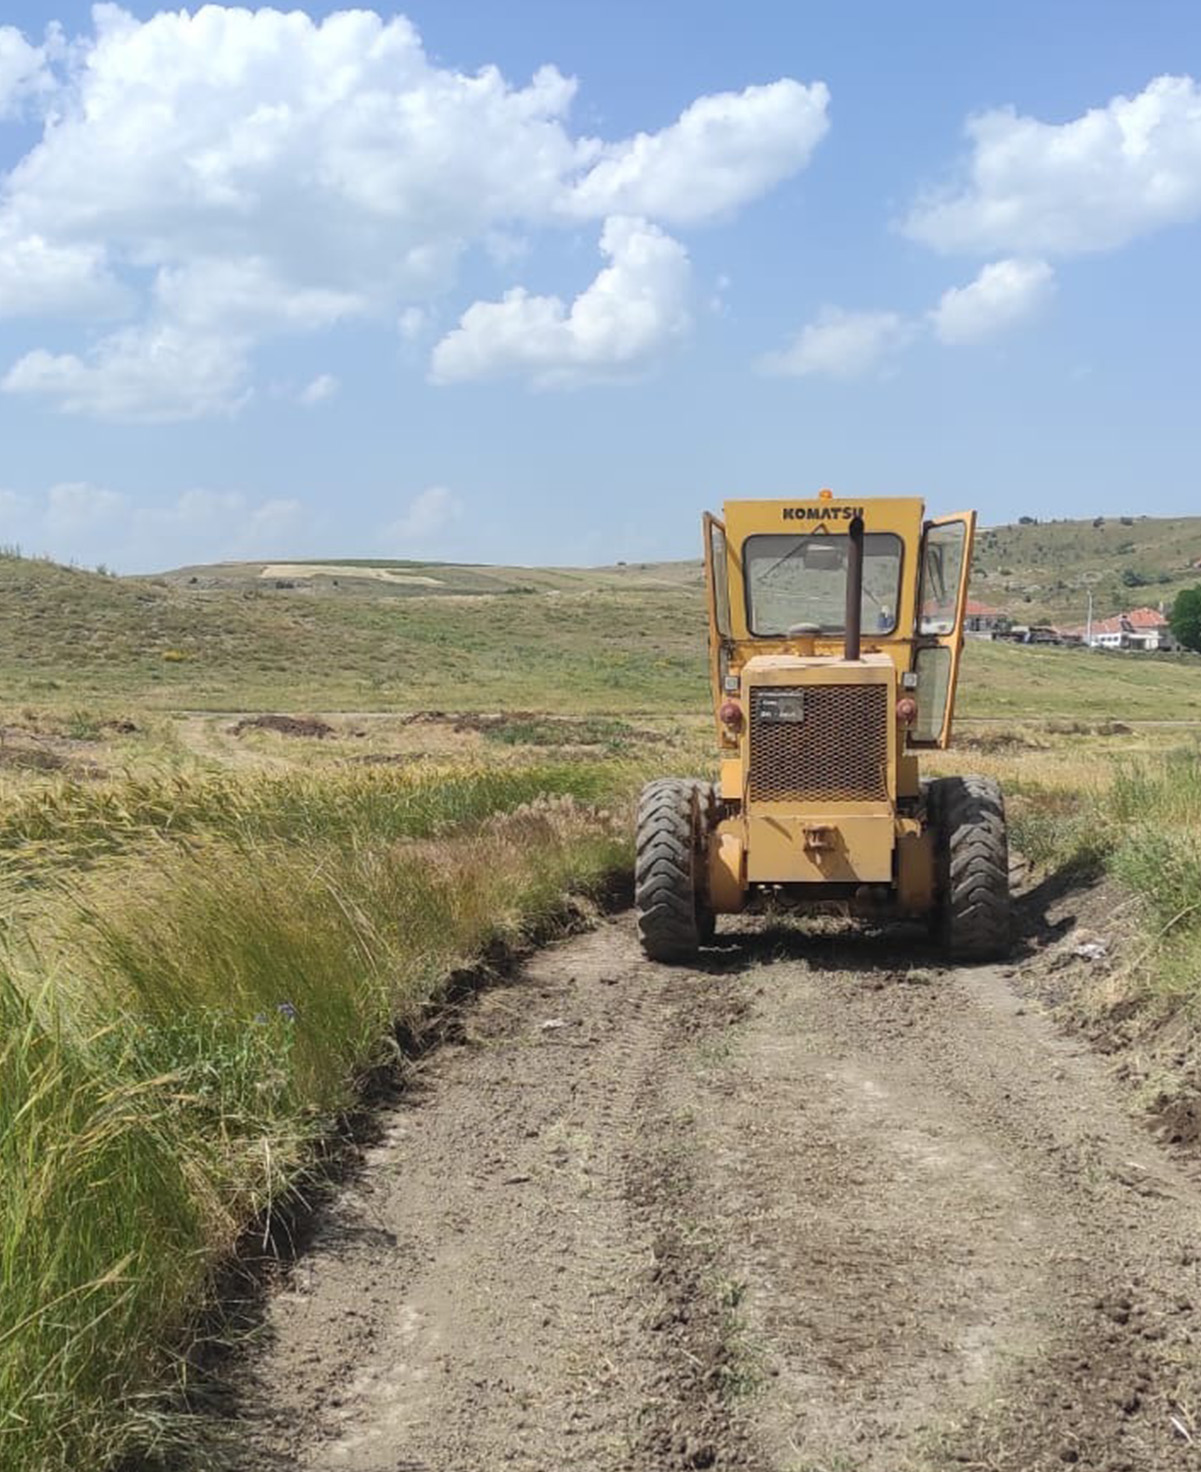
point(804, 1208)
point(959, 1249)
point(496, 1287)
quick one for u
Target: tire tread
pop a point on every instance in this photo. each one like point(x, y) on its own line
point(973, 869)
point(673, 919)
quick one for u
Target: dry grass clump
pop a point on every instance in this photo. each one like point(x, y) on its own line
point(172, 1046)
point(1132, 812)
point(1126, 806)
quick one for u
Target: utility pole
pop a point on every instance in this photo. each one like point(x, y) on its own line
point(1088, 630)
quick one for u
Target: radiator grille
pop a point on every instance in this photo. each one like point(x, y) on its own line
point(831, 747)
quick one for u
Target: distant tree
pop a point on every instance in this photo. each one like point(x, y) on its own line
point(1027, 521)
point(1132, 578)
point(1185, 618)
point(1098, 521)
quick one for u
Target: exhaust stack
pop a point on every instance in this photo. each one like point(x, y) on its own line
point(854, 589)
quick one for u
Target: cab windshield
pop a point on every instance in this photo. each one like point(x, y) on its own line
point(792, 580)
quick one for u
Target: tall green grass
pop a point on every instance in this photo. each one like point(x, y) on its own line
point(1157, 855)
point(1143, 827)
point(176, 1041)
point(99, 1227)
point(77, 821)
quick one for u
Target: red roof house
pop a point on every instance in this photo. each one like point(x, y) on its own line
point(1141, 628)
point(1146, 618)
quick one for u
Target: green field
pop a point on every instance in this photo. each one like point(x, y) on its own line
point(1044, 682)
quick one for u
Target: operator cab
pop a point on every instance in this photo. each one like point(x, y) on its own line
point(782, 579)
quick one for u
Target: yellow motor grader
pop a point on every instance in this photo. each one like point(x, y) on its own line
point(835, 631)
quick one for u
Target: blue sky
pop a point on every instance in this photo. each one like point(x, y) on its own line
point(273, 287)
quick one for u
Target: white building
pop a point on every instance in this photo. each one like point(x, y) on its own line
point(1142, 628)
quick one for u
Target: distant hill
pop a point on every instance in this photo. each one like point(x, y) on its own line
point(1043, 571)
point(384, 577)
point(339, 636)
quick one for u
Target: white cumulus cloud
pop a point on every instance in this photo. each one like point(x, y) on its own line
point(1091, 184)
point(427, 517)
point(23, 71)
point(633, 309)
point(323, 388)
point(841, 344)
point(39, 278)
point(226, 175)
point(150, 374)
point(1002, 295)
point(723, 151)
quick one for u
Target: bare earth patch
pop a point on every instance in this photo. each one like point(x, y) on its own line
point(284, 726)
point(817, 1204)
point(298, 570)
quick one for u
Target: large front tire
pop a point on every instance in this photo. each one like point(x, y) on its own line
point(972, 847)
point(675, 816)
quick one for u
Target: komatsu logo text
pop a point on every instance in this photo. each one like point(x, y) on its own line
point(822, 513)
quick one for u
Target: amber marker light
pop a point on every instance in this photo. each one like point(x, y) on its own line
point(731, 716)
point(906, 710)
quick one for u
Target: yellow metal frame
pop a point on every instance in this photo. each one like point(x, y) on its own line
point(839, 843)
point(719, 623)
point(731, 643)
point(953, 639)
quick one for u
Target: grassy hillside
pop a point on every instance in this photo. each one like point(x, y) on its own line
point(67, 634)
point(76, 639)
point(1045, 570)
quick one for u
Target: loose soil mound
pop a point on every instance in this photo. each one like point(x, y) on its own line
point(284, 726)
point(533, 728)
point(41, 758)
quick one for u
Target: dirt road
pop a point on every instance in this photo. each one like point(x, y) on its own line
point(811, 1207)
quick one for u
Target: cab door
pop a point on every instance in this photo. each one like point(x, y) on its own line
point(717, 584)
point(944, 570)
